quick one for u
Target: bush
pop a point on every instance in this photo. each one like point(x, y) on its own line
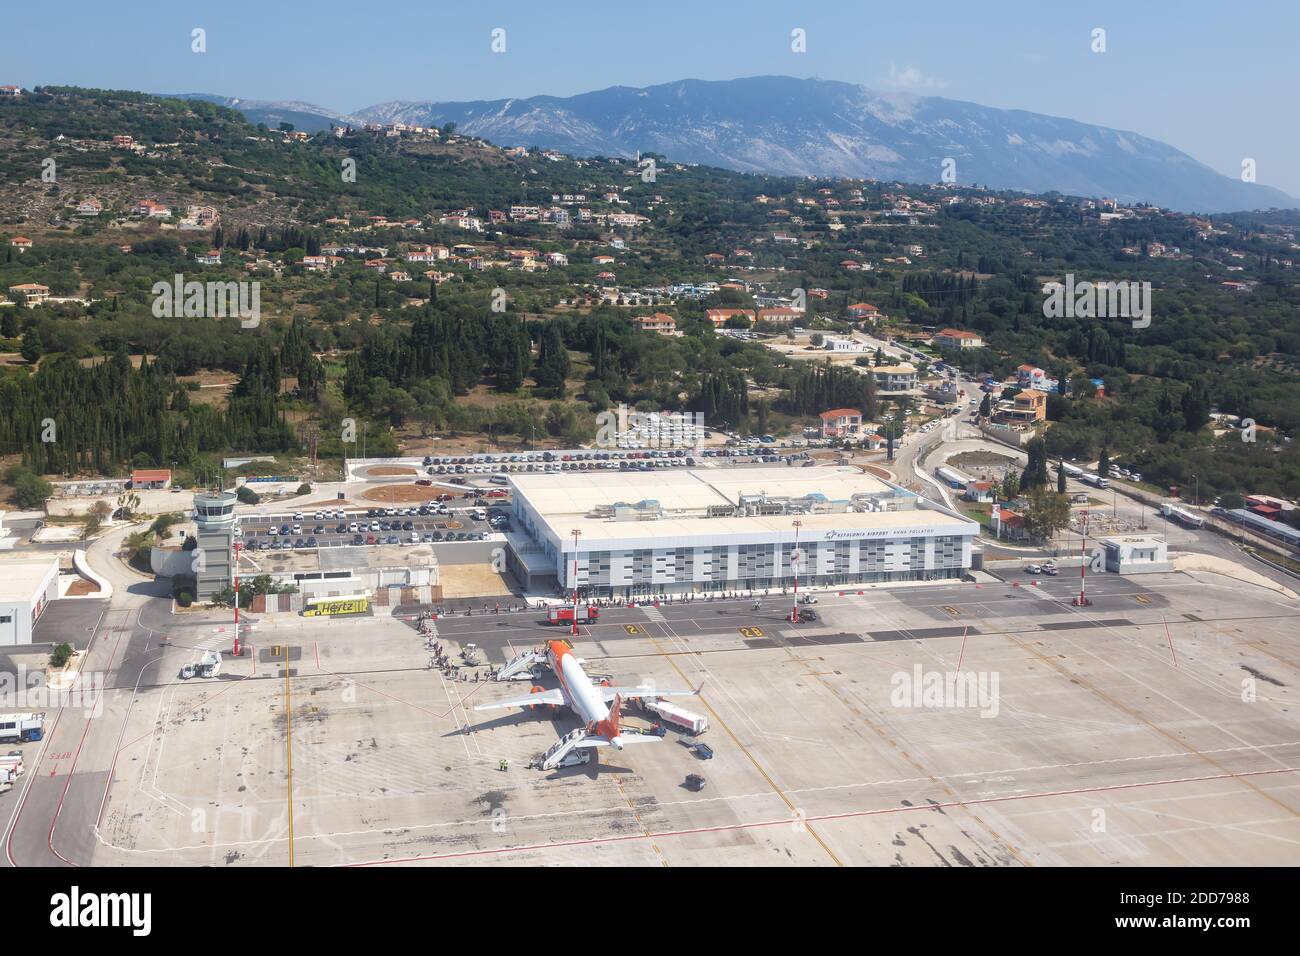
point(304, 489)
point(30, 489)
point(246, 495)
point(184, 599)
point(62, 654)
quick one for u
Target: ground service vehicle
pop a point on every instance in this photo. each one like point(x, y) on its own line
point(678, 717)
point(334, 606)
point(21, 728)
point(564, 615)
point(1182, 515)
point(13, 763)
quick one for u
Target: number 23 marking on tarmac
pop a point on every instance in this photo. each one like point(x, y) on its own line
point(751, 632)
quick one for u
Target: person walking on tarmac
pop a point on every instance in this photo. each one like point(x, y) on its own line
point(505, 764)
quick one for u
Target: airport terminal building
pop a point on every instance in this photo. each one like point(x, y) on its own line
point(727, 529)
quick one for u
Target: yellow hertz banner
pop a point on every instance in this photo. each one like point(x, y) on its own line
point(350, 606)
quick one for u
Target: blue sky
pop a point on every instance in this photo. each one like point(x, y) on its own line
point(1217, 80)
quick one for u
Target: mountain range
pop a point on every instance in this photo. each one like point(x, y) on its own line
point(809, 127)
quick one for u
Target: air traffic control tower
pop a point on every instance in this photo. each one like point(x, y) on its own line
point(214, 514)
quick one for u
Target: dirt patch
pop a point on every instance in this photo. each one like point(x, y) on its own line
point(82, 587)
point(981, 459)
point(402, 493)
point(384, 471)
point(471, 580)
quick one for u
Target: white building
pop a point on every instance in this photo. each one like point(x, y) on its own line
point(843, 345)
point(1136, 553)
point(26, 589)
point(895, 379)
point(726, 529)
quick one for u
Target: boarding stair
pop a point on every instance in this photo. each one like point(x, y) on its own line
point(561, 749)
point(521, 666)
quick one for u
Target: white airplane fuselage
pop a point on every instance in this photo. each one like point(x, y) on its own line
point(584, 699)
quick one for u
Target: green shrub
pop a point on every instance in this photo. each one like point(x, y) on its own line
point(184, 599)
point(62, 654)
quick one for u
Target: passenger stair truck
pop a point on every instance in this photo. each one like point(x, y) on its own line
point(677, 717)
point(523, 666)
point(564, 615)
point(21, 728)
point(566, 752)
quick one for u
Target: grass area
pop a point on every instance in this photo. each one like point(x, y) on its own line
point(1279, 559)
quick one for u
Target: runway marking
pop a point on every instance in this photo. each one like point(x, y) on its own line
point(1084, 682)
point(969, 778)
point(288, 750)
point(796, 813)
point(827, 817)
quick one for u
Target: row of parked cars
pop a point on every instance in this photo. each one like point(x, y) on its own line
point(368, 538)
point(622, 460)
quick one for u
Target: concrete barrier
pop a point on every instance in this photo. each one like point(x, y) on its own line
point(86, 571)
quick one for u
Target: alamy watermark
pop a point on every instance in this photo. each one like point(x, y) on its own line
point(934, 690)
point(27, 691)
point(208, 300)
point(625, 428)
point(1098, 300)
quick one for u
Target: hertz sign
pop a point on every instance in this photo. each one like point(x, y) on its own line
point(328, 607)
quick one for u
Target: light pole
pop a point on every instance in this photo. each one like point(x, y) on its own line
point(1196, 490)
point(576, 535)
point(794, 560)
point(235, 651)
point(1082, 600)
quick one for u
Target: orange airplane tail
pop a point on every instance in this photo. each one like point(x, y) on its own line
point(608, 728)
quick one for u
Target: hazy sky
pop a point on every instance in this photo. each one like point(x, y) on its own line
point(1215, 79)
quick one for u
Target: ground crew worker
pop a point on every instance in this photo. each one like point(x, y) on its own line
point(505, 764)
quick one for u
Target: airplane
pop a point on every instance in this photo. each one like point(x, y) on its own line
point(588, 701)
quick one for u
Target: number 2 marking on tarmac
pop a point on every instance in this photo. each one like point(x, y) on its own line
point(632, 628)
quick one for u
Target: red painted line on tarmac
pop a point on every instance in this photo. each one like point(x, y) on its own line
point(49, 841)
point(54, 729)
point(849, 815)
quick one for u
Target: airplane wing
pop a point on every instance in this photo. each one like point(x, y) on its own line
point(546, 697)
point(628, 693)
